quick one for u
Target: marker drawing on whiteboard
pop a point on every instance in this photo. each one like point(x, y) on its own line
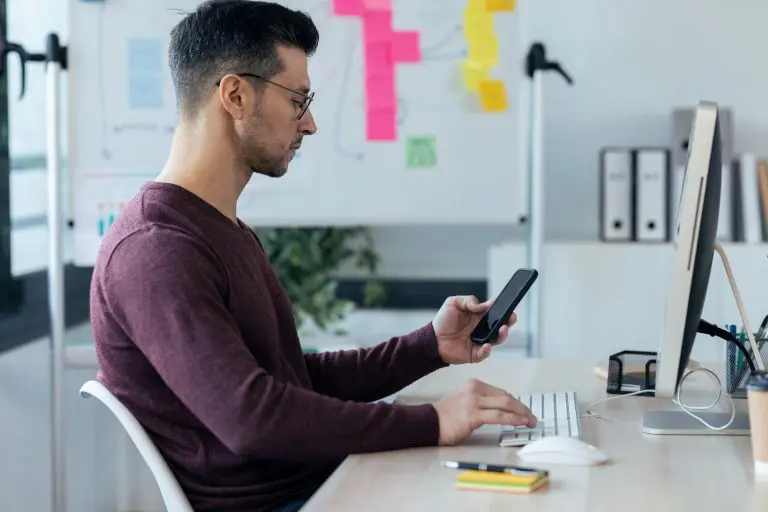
point(402, 111)
point(121, 128)
point(443, 41)
point(339, 108)
point(101, 223)
point(324, 3)
point(106, 152)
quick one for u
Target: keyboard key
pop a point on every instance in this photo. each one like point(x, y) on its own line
point(558, 415)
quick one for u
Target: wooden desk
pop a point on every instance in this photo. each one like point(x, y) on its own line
point(648, 473)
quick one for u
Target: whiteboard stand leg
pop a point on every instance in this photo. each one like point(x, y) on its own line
point(536, 224)
point(536, 64)
point(55, 62)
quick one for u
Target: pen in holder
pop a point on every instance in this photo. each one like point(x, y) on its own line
point(631, 371)
point(737, 369)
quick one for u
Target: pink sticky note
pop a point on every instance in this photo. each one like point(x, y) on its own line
point(377, 27)
point(378, 58)
point(405, 46)
point(380, 92)
point(348, 7)
point(381, 124)
point(378, 5)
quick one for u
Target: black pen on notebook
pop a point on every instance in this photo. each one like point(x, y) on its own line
point(494, 468)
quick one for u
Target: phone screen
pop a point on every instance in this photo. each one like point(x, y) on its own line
point(511, 295)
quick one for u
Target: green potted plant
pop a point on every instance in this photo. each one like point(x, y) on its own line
point(306, 260)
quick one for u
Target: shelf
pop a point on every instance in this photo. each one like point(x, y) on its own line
point(649, 245)
point(600, 298)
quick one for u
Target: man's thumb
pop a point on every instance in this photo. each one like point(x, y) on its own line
point(470, 303)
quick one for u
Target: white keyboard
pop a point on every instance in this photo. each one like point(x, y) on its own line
point(558, 415)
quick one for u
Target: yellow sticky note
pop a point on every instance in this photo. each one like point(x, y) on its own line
point(493, 95)
point(477, 5)
point(473, 73)
point(500, 5)
point(477, 24)
point(484, 50)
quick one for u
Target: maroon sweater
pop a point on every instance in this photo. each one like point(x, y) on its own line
point(195, 335)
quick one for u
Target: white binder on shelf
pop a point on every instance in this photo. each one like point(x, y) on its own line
point(677, 176)
point(652, 194)
point(725, 222)
point(682, 121)
point(750, 207)
point(616, 195)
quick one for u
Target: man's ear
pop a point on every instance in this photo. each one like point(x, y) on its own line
point(233, 95)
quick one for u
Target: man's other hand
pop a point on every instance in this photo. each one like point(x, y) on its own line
point(477, 404)
point(453, 324)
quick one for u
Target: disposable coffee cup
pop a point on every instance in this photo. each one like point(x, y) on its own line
point(757, 399)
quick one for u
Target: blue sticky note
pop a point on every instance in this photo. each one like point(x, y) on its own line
point(145, 73)
point(145, 91)
point(145, 55)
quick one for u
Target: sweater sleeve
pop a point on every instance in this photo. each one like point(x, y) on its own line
point(373, 373)
point(167, 291)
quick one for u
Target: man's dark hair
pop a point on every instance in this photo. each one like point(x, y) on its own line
point(231, 36)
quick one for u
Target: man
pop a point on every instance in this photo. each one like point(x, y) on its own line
point(193, 331)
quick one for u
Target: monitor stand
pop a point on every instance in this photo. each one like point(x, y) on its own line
point(680, 423)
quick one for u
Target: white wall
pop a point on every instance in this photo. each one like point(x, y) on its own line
point(632, 62)
point(598, 299)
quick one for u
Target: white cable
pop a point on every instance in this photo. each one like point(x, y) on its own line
point(687, 409)
point(739, 304)
point(591, 413)
point(677, 401)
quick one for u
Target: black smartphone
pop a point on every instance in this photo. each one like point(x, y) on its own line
point(498, 314)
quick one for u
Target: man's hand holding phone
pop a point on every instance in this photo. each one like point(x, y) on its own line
point(454, 323)
point(466, 329)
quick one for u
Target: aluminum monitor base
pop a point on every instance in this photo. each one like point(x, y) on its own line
point(680, 423)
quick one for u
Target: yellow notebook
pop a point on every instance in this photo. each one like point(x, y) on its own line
point(500, 482)
point(492, 477)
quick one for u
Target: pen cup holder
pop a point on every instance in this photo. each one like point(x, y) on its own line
point(737, 369)
point(631, 371)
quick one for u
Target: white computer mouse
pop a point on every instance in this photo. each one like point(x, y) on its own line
point(561, 450)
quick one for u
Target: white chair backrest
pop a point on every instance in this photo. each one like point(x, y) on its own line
point(173, 496)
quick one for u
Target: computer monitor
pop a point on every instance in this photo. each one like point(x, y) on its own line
point(695, 246)
point(696, 233)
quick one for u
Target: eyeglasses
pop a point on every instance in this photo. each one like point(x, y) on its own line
point(303, 106)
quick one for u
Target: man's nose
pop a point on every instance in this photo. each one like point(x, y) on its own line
point(307, 125)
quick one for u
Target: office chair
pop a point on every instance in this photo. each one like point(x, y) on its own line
point(174, 498)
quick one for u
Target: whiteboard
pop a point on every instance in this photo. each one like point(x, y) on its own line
point(449, 161)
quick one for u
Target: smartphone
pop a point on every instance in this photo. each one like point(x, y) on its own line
point(498, 314)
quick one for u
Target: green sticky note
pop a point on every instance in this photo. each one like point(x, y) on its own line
point(420, 151)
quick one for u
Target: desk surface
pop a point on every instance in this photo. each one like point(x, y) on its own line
point(658, 473)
